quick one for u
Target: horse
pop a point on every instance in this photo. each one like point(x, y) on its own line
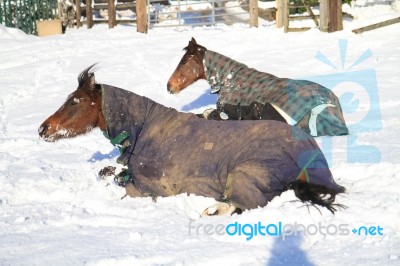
point(241, 164)
point(248, 94)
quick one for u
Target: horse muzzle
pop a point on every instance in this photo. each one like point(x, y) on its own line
point(45, 133)
point(42, 130)
point(169, 89)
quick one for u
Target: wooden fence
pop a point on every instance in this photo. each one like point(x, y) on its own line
point(330, 14)
point(23, 14)
point(200, 13)
point(144, 19)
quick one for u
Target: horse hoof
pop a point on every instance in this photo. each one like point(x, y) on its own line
point(207, 113)
point(107, 171)
point(221, 208)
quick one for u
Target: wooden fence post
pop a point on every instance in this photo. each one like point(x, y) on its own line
point(285, 15)
point(78, 14)
point(335, 16)
point(89, 14)
point(323, 16)
point(141, 16)
point(279, 13)
point(111, 14)
point(331, 15)
point(253, 9)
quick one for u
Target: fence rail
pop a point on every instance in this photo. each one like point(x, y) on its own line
point(196, 13)
point(23, 14)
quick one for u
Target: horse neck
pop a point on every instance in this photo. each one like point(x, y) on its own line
point(101, 123)
point(124, 110)
point(219, 69)
point(121, 109)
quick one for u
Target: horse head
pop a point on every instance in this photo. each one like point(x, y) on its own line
point(81, 112)
point(189, 69)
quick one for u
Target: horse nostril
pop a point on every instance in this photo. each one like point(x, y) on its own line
point(170, 89)
point(42, 130)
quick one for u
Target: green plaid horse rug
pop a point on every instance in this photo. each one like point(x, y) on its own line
point(304, 104)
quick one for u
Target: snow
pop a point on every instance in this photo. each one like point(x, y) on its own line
point(370, 12)
point(266, 4)
point(55, 210)
point(189, 5)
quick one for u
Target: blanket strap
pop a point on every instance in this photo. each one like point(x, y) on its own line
point(123, 177)
point(303, 176)
point(227, 189)
point(119, 141)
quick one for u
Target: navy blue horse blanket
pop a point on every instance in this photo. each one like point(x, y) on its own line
point(245, 163)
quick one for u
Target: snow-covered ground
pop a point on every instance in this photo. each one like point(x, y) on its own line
point(54, 209)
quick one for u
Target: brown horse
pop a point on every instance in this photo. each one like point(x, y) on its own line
point(247, 94)
point(242, 163)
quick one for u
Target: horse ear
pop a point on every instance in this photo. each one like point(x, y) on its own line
point(89, 83)
point(87, 80)
point(192, 45)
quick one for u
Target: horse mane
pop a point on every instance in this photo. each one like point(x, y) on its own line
point(202, 51)
point(86, 75)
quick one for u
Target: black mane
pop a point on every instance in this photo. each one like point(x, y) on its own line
point(202, 48)
point(86, 74)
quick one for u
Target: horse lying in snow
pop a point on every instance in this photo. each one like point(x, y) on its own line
point(247, 94)
point(243, 164)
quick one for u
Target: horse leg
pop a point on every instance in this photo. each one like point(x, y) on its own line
point(221, 208)
point(270, 113)
point(107, 171)
point(259, 111)
point(209, 114)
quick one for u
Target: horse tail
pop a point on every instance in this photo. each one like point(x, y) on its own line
point(317, 194)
